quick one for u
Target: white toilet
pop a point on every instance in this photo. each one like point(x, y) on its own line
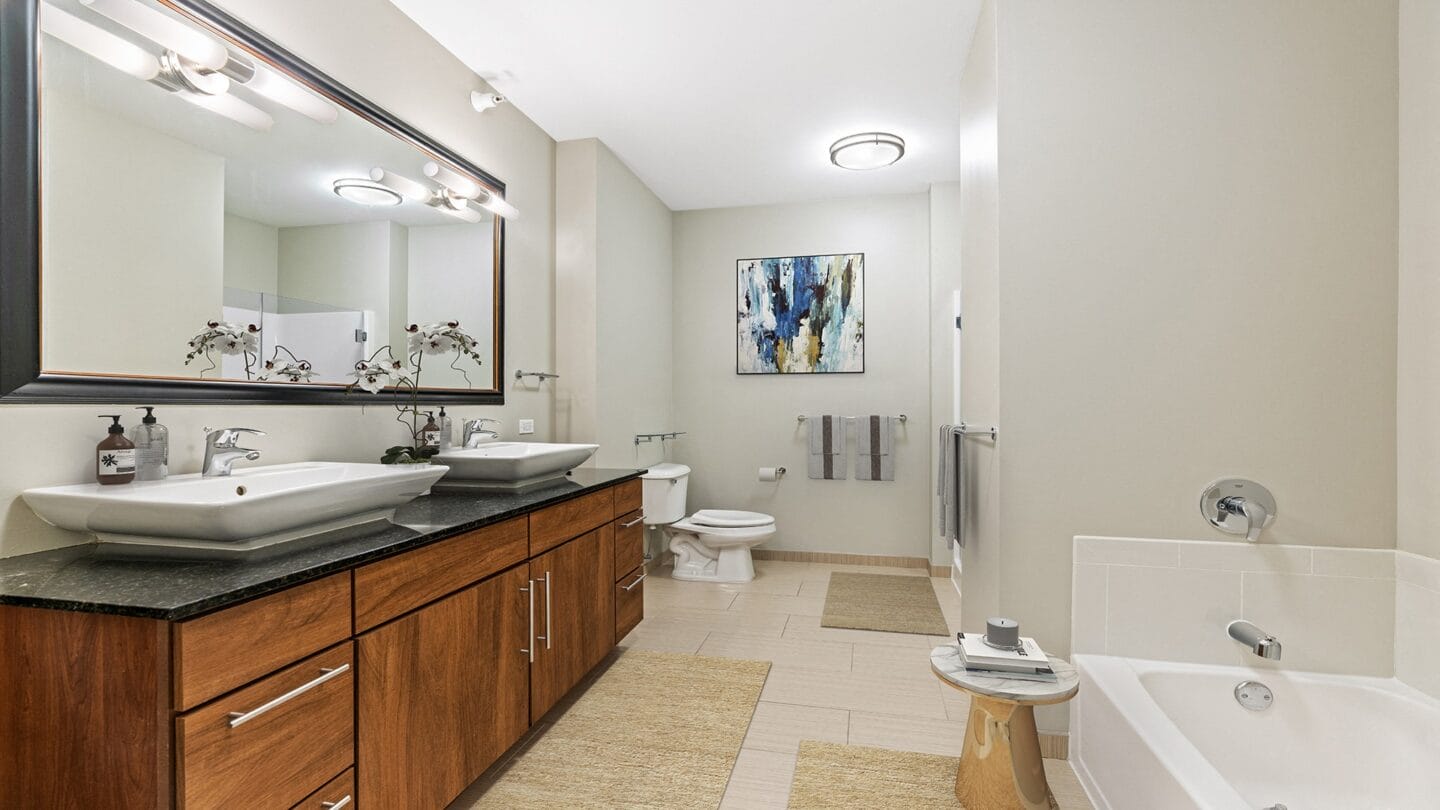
point(712, 545)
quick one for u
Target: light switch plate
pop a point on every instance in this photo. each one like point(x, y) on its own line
point(527, 426)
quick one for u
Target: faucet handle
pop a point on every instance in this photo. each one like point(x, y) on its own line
point(228, 436)
point(1238, 506)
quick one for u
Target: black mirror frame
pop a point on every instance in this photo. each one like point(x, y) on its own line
point(21, 377)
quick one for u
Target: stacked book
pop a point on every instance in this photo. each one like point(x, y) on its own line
point(1026, 661)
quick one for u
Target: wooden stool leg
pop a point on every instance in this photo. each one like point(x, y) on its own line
point(1000, 767)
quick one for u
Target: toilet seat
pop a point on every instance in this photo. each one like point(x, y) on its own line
point(730, 518)
point(724, 536)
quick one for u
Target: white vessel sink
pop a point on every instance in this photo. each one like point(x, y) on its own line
point(252, 508)
point(513, 464)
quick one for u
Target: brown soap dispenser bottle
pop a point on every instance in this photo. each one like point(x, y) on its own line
point(115, 457)
point(430, 434)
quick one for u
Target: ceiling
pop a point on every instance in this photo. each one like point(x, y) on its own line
point(728, 103)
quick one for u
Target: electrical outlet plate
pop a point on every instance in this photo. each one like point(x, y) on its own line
point(527, 426)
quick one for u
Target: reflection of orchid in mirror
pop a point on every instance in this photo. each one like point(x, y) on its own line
point(294, 369)
point(382, 370)
point(227, 339)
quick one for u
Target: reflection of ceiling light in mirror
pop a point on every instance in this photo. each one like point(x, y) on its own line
point(364, 192)
point(404, 186)
point(232, 108)
point(99, 43)
point(483, 101)
point(453, 180)
point(163, 30)
point(868, 150)
point(282, 90)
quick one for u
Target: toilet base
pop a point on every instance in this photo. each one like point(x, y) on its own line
point(696, 562)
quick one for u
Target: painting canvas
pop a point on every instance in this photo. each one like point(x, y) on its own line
point(801, 315)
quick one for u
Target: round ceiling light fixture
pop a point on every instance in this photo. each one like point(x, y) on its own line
point(366, 192)
point(867, 150)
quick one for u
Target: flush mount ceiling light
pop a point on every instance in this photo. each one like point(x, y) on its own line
point(867, 150)
point(365, 192)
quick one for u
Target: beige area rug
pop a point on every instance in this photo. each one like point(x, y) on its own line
point(619, 746)
point(828, 775)
point(888, 602)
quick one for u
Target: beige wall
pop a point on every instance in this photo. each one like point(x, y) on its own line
point(1197, 242)
point(978, 222)
point(422, 83)
point(738, 424)
point(1418, 395)
point(945, 264)
point(252, 255)
point(350, 266)
point(613, 309)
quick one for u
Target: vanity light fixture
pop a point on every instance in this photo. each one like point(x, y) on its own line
point(404, 186)
point(867, 150)
point(454, 196)
point(366, 192)
point(233, 108)
point(463, 186)
point(281, 90)
point(163, 30)
point(457, 207)
point(99, 43)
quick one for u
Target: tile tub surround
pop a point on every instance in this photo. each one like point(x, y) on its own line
point(76, 578)
point(1417, 621)
point(1171, 600)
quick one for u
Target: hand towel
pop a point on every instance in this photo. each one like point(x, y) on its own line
point(827, 447)
point(875, 448)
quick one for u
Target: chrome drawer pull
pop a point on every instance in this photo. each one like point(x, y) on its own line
point(632, 523)
point(529, 591)
point(632, 586)
point(345, 802)
point(236, 718)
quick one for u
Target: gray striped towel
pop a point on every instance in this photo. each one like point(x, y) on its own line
point(875, 448)
point(827, 447)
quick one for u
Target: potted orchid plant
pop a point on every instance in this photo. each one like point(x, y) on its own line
point(383, 370)
point(232, 339)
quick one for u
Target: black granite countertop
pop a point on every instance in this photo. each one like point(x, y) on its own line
point(83, 578)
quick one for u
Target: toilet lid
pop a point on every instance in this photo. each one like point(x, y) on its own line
point(730, 518)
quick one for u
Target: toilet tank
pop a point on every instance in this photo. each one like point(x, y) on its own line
point(663, 493)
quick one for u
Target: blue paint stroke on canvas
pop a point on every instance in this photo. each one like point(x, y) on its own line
point(801, 314)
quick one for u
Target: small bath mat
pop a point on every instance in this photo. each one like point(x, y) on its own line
point(829, 775)
point(620, 746)
point(887, 602)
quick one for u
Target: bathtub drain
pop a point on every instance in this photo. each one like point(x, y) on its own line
point(1256, 697)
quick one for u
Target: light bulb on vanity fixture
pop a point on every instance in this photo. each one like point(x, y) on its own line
point(194, 65)
point(867, 150)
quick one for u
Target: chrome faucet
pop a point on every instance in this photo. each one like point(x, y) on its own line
point(1238, 506)
point(1253, 511)
point(476, 432)
point(1260, 642)
point(221, 450)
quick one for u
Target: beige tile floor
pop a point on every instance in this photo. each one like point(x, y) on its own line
point(844, 686)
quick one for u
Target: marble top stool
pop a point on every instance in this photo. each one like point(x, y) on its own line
point(1000, 766)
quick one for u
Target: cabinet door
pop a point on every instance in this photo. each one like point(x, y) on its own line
point(442, 693)
point(575, 626)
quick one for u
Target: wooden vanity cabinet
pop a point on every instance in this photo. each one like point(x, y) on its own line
point(442, 693)
point(391, 685)
point(573, 631)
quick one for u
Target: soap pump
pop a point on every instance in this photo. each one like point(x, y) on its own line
point(115, 456)
point(430, 434)
point(152, 447)
point(447, 431)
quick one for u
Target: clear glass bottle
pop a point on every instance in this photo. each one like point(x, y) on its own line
point(447, 431)
point(152, 447)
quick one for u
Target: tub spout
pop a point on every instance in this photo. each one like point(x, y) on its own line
point(1260, 642)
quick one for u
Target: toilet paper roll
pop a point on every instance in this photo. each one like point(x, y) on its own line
point(771, 473)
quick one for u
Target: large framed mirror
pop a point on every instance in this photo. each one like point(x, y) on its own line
point(193, 213)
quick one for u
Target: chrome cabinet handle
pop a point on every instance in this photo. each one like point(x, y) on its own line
point(237, 718)
point(529, 648)
point(632, 586)
point(632, 523)
point(546, 637)
point(345, 802)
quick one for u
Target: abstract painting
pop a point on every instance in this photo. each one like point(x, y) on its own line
point(801, 315)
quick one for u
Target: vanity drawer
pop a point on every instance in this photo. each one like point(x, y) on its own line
point(629, 544)
point(553, 525)
point(339, 794)
point(396, 586)
point(272, 743)
point(224, 650)
point(627, 497)
point(629, 602)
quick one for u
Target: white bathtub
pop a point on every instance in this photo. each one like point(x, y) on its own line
point(1151, 734)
